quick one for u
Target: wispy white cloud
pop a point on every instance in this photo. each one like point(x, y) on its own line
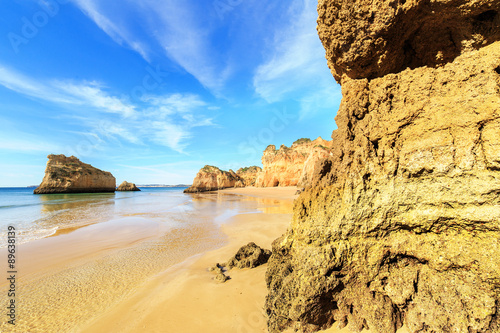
point(163, 106)
point(119, 34)
point(295, 64)
point(186, 38)
point(178, 28)
point(165, 120)
point(184, 31)
point(65, 92)
point(92, 94)
point(25, 85)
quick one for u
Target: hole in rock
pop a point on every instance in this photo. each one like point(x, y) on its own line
point(487, 16)
point(497, 70)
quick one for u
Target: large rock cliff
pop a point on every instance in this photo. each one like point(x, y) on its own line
point(211, 178)
point(401, 225)
point(69, 175)
point(285, 166)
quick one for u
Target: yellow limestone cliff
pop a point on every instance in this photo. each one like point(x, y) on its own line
point(70, 175)
point(401, 225)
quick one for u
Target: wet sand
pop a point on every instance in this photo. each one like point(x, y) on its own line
point(82, 275)
point(143, 279)
point(187, 299)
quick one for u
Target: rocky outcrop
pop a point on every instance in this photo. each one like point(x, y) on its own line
point(220, 277)
point(69, 175)
point(401, 224)
point(211, 178)
point(370, 39)
point(248, 176)
point(314, 163)
point(285, 166)
point(126, 186)
point(249, 256)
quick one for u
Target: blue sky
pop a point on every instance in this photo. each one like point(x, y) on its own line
point(153, 90)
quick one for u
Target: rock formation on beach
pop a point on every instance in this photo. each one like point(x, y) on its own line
point(401, 225)
point(211, 178)
point(285, 166)
point(126, 186)
point(248, 176)
point(314, 163)
point(69, 175)
point(249, 256)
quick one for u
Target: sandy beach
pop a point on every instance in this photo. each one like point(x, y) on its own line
point(130, 275)
point(185, 298)
point(133, 274)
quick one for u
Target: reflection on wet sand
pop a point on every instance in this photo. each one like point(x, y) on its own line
point(266, 205)
point(71, 279)
point(68, 212)
point(55, 202)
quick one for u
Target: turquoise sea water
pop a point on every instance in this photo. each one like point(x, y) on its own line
point(38, 216)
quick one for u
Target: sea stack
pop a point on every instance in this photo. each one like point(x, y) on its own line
point(211, 178)
point(70, 175)
point(126, 186)
point(401, 225)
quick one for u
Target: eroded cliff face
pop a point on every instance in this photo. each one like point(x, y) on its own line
point(314, 163)
point(401, 225)
point(70, 175)
point(285, 166)
point(211, 178)
point(248, 176)
point(370, 39)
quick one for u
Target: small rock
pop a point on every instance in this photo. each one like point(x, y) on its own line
point(217, 268)
point(126, 186)
point(221, 277)
point(250, 255)
point(300, 190)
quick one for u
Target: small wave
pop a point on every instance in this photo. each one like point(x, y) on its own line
point(27, 235)
point(20, 206)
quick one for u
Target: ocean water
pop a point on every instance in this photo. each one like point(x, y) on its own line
point(39, 216)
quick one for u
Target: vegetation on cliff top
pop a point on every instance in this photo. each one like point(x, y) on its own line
point(301, 141)
point(252, 168)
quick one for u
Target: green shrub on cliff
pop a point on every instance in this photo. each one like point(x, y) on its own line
point(302, 141)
